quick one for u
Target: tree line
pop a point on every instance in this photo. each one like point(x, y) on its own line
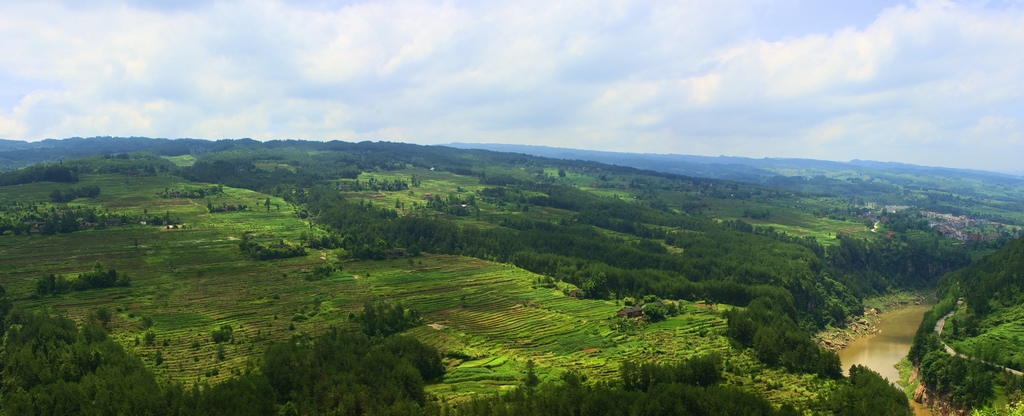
point(98, 278)
point(39, 173)
point(691, 387)
point(279, 249)
point(71, 194)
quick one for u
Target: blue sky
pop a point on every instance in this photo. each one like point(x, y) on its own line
point(927, 82)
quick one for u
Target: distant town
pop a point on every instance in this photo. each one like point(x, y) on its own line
point(957, 227)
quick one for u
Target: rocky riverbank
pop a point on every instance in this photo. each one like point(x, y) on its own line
point(936, 402)
point(836, 339)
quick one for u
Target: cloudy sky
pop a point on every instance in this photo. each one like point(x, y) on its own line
point(928, 82)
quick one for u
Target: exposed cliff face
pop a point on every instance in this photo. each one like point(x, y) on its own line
point(938, 403)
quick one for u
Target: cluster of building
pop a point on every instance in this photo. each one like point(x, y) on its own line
point(956, 226)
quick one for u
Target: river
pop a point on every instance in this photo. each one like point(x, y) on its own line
point(880, 352)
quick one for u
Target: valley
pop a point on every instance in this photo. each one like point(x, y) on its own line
point(512, 268)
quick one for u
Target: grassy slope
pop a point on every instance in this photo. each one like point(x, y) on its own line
point(792, 215)
point(191, 281)
point(187, 281)
point(986, 197)
point(1000, 338)
point(999, 334)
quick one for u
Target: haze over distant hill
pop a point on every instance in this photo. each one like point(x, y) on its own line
point(16, 153)
point(946, 190)
point(737, 168)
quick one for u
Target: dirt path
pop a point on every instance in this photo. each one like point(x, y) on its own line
point(949, 350)
point(942, 321)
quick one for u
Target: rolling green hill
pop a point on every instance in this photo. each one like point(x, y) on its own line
point(992, 195)
point(229, 254)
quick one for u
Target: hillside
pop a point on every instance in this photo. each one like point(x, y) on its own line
point(973, 193)
point(989, 325)
point(968, 349)
point(510, 267)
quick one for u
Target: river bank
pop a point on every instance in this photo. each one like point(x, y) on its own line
point(920, 396)
point(836, 339)
point(910, 379)
point(885, 337)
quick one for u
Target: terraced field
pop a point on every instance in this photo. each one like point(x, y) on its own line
point(185, 281)
point(488, 318)
point(493, 318)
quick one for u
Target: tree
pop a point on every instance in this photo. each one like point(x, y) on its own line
point(102, 315)
point(655, 312)
point(869, 394)
point(531, 380)
point(382, 319)
point(223, 334)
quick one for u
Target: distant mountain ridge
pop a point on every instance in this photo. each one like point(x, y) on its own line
point(15, 153)
point(732, 167)
point(881, 182)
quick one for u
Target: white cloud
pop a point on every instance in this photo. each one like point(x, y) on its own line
point(709, 77)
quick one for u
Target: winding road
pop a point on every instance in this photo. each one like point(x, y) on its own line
point(938, 330)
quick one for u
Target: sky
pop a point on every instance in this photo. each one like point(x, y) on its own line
point(928, 82)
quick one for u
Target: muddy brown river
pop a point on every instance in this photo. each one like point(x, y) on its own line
point(880, 352)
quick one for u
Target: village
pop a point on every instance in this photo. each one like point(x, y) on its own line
point(956, 227)
point(960, 227)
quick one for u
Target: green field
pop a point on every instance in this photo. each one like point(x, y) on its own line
point(488, 319)
point(791, 216)
point(446, 185)
point(188, 281)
